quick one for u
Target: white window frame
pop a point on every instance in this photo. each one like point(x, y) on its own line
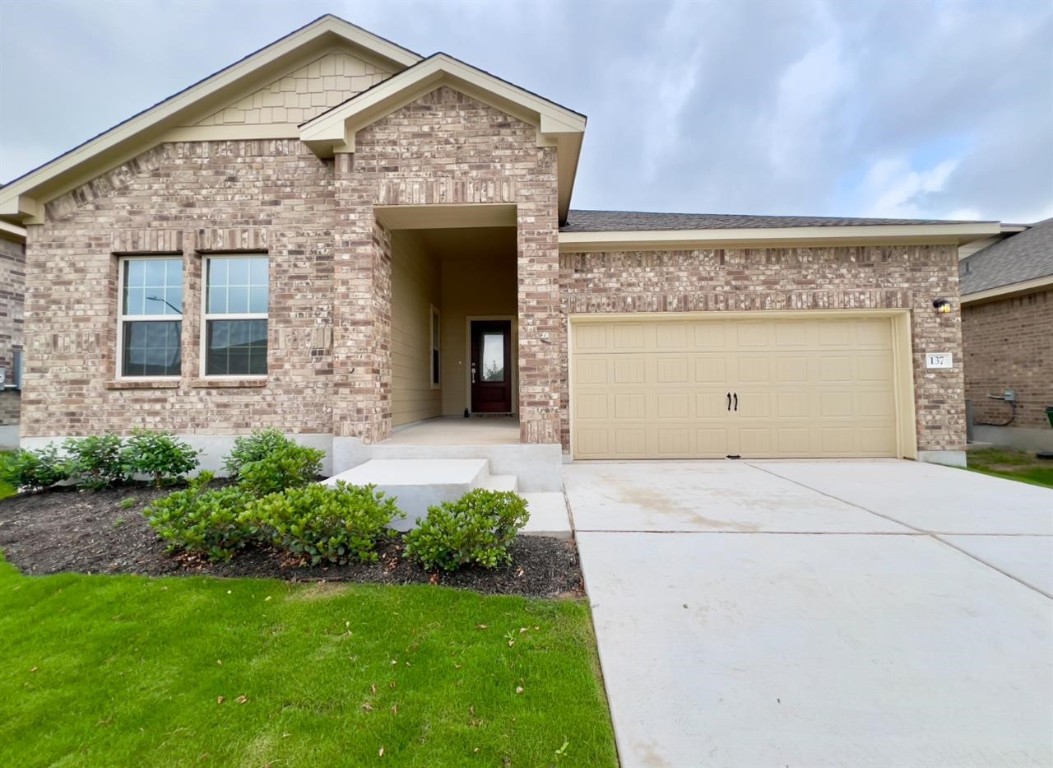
point(434, 348)
point(122, 262)
point(207, 316)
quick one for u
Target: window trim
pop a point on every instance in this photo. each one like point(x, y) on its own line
point(435, 348)
point(122, 318)
point(206, 316)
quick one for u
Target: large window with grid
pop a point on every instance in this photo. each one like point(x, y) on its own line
point(151, 309)
point(235, 327)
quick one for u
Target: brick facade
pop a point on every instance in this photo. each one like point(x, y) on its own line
point(330, 273)
point(1009, 345)
point(873, 277)
point(12, 280)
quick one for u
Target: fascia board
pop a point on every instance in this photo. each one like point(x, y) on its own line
point(772, 237)
point(1006, 291)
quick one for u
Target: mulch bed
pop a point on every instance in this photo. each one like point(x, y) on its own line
point(65, 530)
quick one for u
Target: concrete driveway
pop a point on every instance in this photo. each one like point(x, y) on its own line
point(819, 613)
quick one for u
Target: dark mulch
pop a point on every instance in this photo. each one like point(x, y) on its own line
point(65, 530)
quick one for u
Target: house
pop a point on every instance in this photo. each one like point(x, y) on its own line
point(12, 289)
point(1007, 329)
point(338, 237)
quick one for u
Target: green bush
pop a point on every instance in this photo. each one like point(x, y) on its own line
point(259, 445)
point(335, 524)
point(202, 520)
point(34, 469)
point(96, 461)
point(477, 529)
point(290, 466)
point(160, 455)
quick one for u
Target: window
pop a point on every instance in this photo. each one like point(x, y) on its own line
point(235, 316)
point(150, 316)
point(435, 380)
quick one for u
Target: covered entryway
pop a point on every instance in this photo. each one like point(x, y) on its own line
point(807, 384)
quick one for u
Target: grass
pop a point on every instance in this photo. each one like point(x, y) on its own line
point(1015, 465)
point(127, 670)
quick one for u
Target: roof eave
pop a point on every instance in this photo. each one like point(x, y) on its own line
point(1008, 291)
point(921, 234)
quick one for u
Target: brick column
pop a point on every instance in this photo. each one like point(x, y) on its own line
point(541, 333)
point(361, 311)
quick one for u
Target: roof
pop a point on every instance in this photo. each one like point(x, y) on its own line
point(637, 221)
point(1020, 259)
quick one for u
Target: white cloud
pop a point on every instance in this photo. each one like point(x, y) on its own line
point(895, 190)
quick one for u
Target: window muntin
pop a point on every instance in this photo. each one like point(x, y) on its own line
point(235, 329)
point(151, 307)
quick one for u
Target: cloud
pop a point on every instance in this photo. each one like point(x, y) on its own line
point(794, 107)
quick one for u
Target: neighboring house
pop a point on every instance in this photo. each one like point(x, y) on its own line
point(1007, 328)
point(336, 236)
point(12, 290)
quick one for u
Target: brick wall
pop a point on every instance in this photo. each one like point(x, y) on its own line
point(12, 282)
point(1009, 345)
point(330, 272)
point(875, 277)
point(270, 195)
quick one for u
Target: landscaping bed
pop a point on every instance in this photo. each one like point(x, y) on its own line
point(67, 530)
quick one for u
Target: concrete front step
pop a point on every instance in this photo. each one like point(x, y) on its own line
point(548, 515)
point(418, 483)
point(501, 483)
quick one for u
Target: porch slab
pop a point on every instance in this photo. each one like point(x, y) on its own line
point(449, 430)
point(417, 483)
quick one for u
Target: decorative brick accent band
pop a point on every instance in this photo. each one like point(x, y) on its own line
point(147, 241)
point(231, 240)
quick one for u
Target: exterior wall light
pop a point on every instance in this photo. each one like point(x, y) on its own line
point(942, 306)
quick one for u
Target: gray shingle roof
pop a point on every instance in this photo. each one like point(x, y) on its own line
point(635, 221)
point(1024, 256)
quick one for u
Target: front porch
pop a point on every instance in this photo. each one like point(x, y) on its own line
point(457, 431)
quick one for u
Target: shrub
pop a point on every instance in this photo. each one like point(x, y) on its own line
point(34, 469)
point(259, 445)
point(477, 529)
point(335, 524)
point(202, 520)
point(290, 466)
point(96, 462)
point(160, 455)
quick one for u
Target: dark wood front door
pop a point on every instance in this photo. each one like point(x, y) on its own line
point(491, 366)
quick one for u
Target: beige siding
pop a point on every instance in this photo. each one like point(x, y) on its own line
point(303, 93)
point(414, 290)
point(474, 287)
point(707, 388)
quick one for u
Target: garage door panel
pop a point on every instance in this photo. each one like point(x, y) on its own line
point(808, 387)
point(673, 370)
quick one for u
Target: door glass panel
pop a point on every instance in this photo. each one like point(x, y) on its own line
point(493, 357)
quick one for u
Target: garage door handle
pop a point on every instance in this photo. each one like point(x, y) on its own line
point(736, 401)
point(729, 401)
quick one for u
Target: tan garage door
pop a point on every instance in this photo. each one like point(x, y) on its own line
point(713, 388)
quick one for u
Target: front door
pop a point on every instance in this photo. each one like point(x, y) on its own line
point(491, 366)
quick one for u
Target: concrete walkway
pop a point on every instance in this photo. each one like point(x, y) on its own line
point(819, 613)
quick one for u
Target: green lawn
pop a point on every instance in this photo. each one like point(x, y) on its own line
point(1015, 465)
point(128, 671)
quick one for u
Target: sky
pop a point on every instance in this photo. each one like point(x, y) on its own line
point(916, 108)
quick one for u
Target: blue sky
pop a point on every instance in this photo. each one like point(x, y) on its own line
point(927, 109)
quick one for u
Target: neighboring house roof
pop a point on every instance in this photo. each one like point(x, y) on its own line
point(1021, 262)
point(638, 221)
point(634, 230)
